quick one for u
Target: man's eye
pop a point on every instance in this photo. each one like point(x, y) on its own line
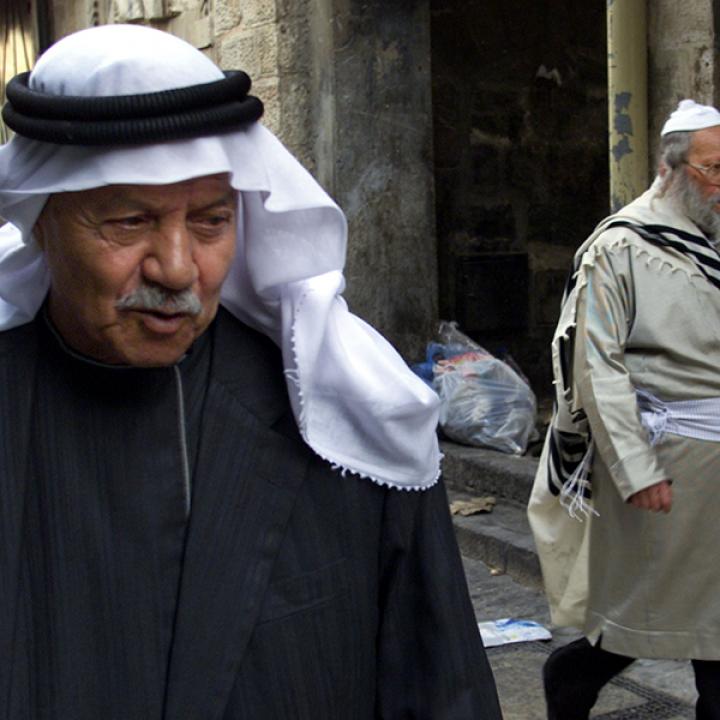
point(131, 222)
point(213, 221)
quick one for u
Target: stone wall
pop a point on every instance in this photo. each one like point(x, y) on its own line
point(520, 114)
point(347, 88)
point(382, 164)
point(682, 59)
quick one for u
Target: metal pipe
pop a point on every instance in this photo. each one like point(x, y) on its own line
point(627, 99)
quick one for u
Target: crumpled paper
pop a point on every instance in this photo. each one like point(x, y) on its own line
point(477, 505)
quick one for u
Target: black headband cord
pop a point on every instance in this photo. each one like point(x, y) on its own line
point(181, 113)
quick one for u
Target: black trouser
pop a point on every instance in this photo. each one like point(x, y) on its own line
point(574, 675)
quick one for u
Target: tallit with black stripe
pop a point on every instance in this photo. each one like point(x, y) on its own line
point(570, 446)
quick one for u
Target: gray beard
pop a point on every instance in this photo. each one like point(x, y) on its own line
point(689, 201)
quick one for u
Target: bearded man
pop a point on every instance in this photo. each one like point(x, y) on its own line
point(634, 444)
point(218, 488)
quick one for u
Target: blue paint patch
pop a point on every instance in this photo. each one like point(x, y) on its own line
point(623, 124)
point(622, 101)
point(621, 149)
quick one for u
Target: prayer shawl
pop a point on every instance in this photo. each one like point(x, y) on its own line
point(562, 492)
point(570, 447)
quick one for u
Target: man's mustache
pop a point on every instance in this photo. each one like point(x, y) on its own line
point(156, 298)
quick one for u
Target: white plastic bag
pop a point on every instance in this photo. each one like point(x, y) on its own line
point(484, 402)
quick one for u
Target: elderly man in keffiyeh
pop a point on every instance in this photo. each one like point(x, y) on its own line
point(218, 488)
point(626, 501)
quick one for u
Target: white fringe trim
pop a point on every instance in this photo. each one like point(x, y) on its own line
point(571, 496)
point(293, 379)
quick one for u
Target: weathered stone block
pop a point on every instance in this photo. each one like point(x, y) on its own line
point(685, 72)
point(254, 51)
point(227, 16)
point(295, 110)
point(294, 47)
point(672, 24)
point(267, 90)
point(299, 9)
point(259, 12)
point(237, 51)
point(266, 47)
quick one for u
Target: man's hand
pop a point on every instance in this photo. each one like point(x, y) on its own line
point(657, 497)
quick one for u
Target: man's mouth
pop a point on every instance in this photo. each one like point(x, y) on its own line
point(161, 322)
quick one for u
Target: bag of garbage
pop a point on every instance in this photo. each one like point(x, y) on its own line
point(484, 402)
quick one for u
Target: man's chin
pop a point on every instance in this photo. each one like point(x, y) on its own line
point(143, 352)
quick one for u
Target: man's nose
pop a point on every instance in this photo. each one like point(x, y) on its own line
point(170, 261)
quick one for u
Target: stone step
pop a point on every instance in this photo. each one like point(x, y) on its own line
point(488, 472)
point(501, 539)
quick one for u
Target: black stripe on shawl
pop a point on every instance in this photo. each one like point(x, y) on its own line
point(660, 239)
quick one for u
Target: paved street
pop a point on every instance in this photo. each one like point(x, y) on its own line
point(661, 690)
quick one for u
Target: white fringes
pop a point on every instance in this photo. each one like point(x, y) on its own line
point(572, 497)
point(578, 508)
point(294, 379)
point(293, 374)
point(345, 471)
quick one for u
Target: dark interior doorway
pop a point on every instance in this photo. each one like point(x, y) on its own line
point(520, 148)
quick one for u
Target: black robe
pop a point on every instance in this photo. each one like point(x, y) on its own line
point(288, 592)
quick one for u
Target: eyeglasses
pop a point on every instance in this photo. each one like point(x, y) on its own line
point(711, 172)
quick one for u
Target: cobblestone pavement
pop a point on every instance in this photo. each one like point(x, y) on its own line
point(662, 690)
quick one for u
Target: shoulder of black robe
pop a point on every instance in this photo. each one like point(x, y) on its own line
point(353, 605)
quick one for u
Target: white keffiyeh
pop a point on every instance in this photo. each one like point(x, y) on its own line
point(356, 402)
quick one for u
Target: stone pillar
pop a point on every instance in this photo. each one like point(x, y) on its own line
point(627, 100)
point(381, 163)
point(347, 88)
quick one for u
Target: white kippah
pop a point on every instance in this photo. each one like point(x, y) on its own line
point(691, 116)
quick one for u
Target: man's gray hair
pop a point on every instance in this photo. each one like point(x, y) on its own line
point(674, 149)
